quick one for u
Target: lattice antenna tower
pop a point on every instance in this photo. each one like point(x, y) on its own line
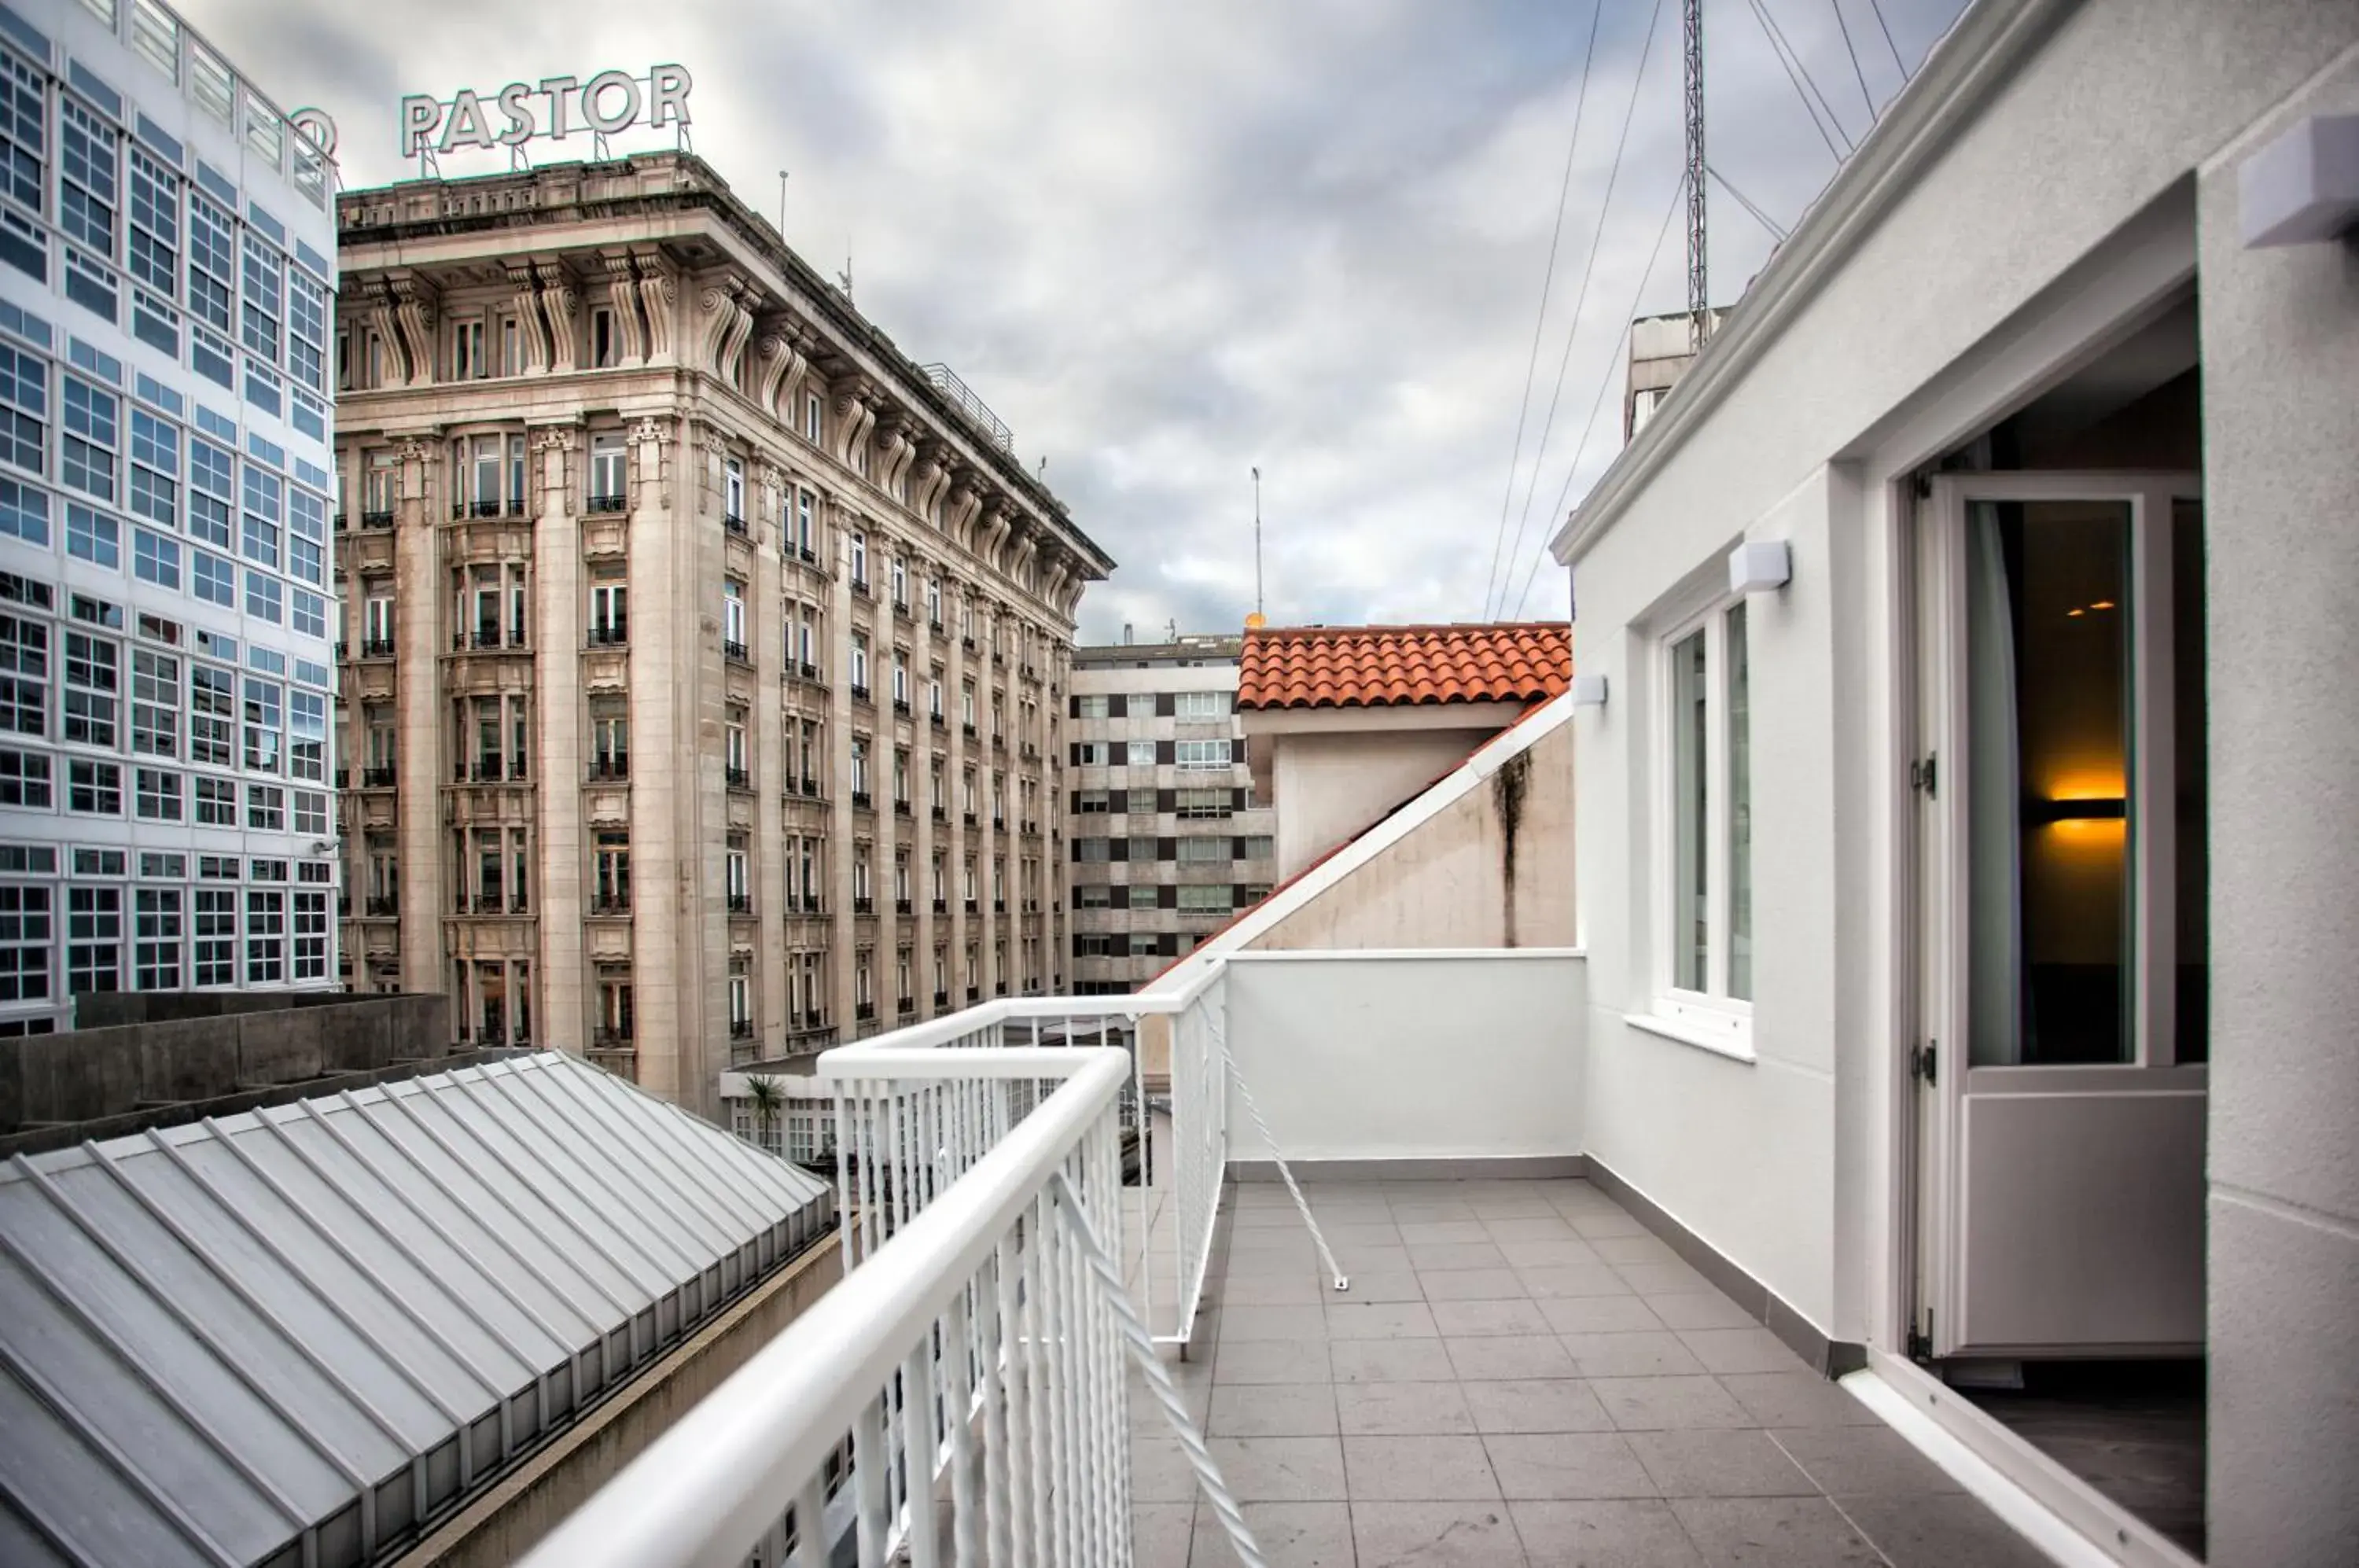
point(1698, 285)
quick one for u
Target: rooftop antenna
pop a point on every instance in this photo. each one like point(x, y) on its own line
point(1257, 620)
point(782, 203)
point(845, 277)
point(1699, 283)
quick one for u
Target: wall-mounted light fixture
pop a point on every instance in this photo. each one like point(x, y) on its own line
point(1758, 565)
point(2304, 186)
point(2098, 809)
point(1589, 690)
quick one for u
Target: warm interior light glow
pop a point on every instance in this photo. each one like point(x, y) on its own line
point(2102, 604)
point(2075, 614)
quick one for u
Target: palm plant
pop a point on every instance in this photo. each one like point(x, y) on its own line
point(769, 1102)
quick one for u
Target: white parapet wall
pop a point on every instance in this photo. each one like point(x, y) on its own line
point(1388, 1057)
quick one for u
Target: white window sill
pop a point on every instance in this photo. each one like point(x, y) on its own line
point(1735, 1044)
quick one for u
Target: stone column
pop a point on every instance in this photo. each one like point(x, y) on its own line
point(420, 709)
point(562, 854)
point(663, 750)
point(765, 596)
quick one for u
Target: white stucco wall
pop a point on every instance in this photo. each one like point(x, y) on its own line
point(1785, 1164)
point(1328, 787)
point(1387, 1056)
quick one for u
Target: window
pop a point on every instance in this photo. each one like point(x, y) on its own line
point(813, 419)
point(212, 715)
point(1261, 847)
point(212, 477)
point(23, 409)
point(265, 808)
point(859, 559)
point(25, 921)
point(732, 618)
point(24, 779)
point(733, 489)
point(216, 803)
point(1090, 801)
point(95, 538)
point(93, 788)
point(88, 185)
point(307, 333)
point(263, 277)
point(605, 350)
point(1093, 896)
point(1201, 804)
point(156, 934)
point(1097, 707)
point(155, 703)
point(212, 264)
point(155, 469)
point(92, 431)
point(1089, 851)
point(93, 939)
point(1138, 752)
point(24, 676)
point(611, 873)
point(94, 679)
point(23, 133)
point(156, 794)
point(215, 949)
point(1201, 705)
point(1708, 857)
point(1216, 901)
point(307, 739)
point(1203, 850)
point(263, 712)
point(610, 612)
point(1200, 756)
point(155, 224)
point(213, 579)
point(266, 936)
point(609, 472)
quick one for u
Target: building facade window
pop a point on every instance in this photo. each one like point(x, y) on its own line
point(1706, 862)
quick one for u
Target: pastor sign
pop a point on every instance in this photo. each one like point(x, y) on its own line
point(555, 108)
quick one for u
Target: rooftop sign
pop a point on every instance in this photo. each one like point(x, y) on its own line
point(555, 108)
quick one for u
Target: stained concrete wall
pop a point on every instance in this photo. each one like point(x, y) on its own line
point(226, 1048)
point(1494, 868)
point(2280, 335)
point(507, 1521)
point(1332, 787)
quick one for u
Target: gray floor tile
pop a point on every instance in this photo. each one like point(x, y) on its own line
point(1273, 1409)
point(1946, 1531)
point(1426, 1232)
point(1667, 1404)
point(1720, 1465)
point(1548, 1279)
point(1551, 1404)
point(1662, 1279)
point(1600, 1314)
point(1631, 1355)
point(1378, 1285)
point(1435, 1535)
point(1465, 1319)
point(1146, 1412)
point(1622, 1533)
point(1539, 1224)
point(1633, 1248)
point(1160, 1534)
point(1514, 1206)
point(1554, 1252)
point(1281, 1469)
point(1403, 1410)
point(1496, 1356)
point(1418, 1469)
point(1474, 1285)
point(1160, 1472)
point(1797, 1399)
point(1360, 1233)
point(1240, 1323)
point(1270, 1361)
point(1349, 1319)
point(1582, 1465)
point(1429, 1258)
point(1298, 1286)
point(1290, 1535)
point(1600, 1222)
point(1740, 1350)
point(1863, 1461)
point(1390, 1361)
point(1371, 1258)
point(1427, 1211)
point(1773, 1532)
point(1265, 1217)
point(1703, 1309)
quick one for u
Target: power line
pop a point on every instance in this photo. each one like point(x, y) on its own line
point(1760, 217)
point(1604, 384)
point(1547, 281)
point(1799, 75)
point(1865, 96)
point(1572, 332)
point(1886, 27)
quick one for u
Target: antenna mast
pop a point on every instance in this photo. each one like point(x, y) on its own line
point(1258, 618)
point(1698, 284)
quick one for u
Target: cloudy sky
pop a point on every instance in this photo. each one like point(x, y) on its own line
point(1170, 243)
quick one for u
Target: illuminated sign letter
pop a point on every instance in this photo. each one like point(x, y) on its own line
point(419, 115)
point(466, 127)
point(595, 93)
point(668, 88)
point(559, 89)
point(521, 123)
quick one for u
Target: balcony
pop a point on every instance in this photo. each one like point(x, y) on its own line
point(603, 505)
point(610, 766)
point(941, 906)
point(736, 779)
point(901, 707)
point(864, 1012)
point(376, 519)
point(863, 905)
point(942, 1000)
point(860, 692)
point(860, 587)
point(861, 800)
point(741, 903)
point(901, 906)
point(901, 608)
point(734, 522)
point(609, 634)
point(937, 720)
point(488, 770)
point(611, 904)
point(377, 647)
point(810, 787)
point(902, 809)
point(735, 652)
point(940, 814)
point(382, 907)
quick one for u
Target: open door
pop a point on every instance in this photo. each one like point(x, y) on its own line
point(2063, 941)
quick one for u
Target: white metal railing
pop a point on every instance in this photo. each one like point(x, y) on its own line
point(979, 1338)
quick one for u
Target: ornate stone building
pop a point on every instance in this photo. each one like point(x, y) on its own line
point(705, 657)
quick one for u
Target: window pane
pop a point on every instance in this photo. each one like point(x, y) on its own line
point(2191, 739)
point(2048, 632)
point(1690, 925)
point(1740, 812)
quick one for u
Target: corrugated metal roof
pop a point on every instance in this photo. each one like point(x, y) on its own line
point(332, 1320)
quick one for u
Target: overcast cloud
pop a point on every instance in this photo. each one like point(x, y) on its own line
point(1168, 243)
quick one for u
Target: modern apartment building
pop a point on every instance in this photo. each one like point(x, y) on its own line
point(1168, 840)
point(165, 692)
point(706, 656)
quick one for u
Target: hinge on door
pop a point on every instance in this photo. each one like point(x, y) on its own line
point(1924, 1061)
point(1924, 486)
point(1920, 1345)
point(1922, 774)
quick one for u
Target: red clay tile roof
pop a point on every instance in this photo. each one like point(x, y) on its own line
point(1371, 667)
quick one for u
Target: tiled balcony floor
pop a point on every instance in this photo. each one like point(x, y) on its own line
point(1520, 1374)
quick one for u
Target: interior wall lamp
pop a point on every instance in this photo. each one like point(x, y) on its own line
point(2098, 810)
point(1758, 565)
point(1589, 690)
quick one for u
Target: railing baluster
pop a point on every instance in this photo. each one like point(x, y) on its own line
point(812, 1545)
point(959, 1401)
point(919, 1449)
point(870, 1462)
